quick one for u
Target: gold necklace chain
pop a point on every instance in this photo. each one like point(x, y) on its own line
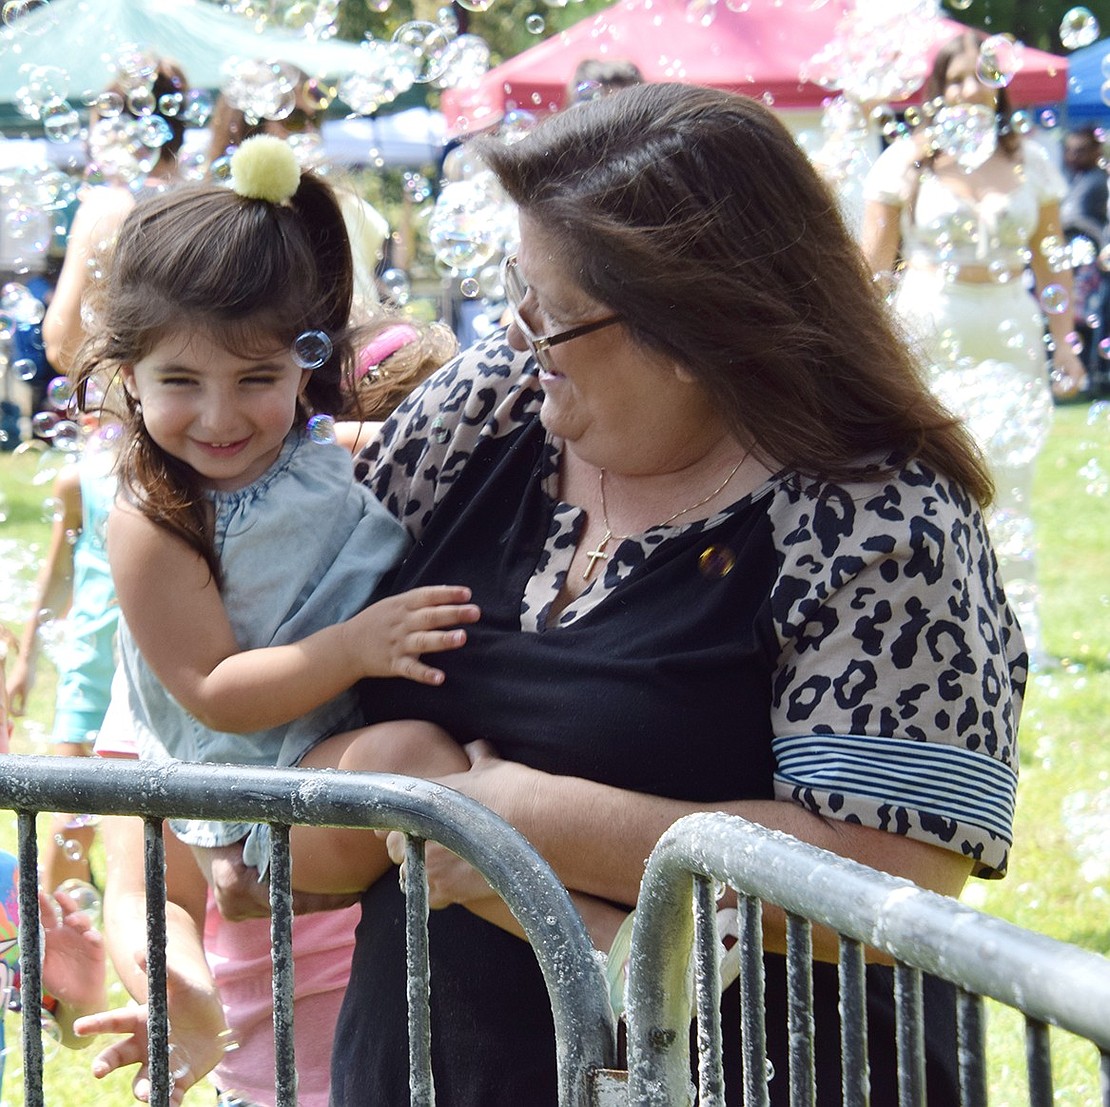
point(599, 554)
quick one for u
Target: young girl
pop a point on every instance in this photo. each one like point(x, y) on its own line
point(243, 551)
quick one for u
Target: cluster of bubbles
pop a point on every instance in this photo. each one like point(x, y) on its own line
point(131, 125)
point(419, 52)
point(1008, 413)
point(875, 53)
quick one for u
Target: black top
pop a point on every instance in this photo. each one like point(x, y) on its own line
point(685, 670)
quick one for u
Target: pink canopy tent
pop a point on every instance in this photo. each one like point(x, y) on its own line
point(759, 50)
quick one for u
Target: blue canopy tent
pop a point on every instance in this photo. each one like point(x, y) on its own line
point(1085, 103)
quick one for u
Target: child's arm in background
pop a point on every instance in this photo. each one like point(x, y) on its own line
point(73, 963)
point(176, 615)
point(198, 1028)
point(54, 587)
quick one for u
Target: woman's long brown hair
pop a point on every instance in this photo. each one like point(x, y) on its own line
point(694, 215)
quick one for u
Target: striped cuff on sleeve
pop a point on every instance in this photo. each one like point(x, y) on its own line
point(954, 797)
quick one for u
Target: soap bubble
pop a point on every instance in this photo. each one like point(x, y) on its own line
point(396, 286)
point(311, 349)
point(19, 302)
point(1000, 58)
point(1054, 299)
point(1078, 28)
point(321, 429)
point(535, 24)
point(59, 392)
point(84, 895)
point(464, 228)
point(72, 849)
point(66, 436)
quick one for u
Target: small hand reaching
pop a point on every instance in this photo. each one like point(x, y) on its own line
point(391, 635)
point(74, 959)
point(198, 1036)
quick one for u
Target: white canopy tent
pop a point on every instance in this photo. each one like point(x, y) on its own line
point(84, 37)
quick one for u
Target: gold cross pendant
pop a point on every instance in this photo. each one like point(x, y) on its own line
point(594, 556)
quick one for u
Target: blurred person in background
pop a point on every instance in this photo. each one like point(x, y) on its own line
point(144, 103)
point(278, 98)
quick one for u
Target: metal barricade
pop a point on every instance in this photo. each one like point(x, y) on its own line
point(1052, 983)
point(584, 1026)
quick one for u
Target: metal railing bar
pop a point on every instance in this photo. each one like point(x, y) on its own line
point(585, 1031)
point(799, 1011)
point(1104, 1077)
point(1038, 1062)
point(281, 945)
point(971, 1049)
point(707, 985)
point(752, 997)
point(909, 1010)
point(981, 953)
point(418, 975)
point(158, 1036)
point(855, 1084)
point(30, 959)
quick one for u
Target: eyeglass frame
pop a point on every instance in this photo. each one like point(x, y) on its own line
point(516, 289)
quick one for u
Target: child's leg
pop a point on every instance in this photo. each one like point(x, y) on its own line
point(334, 859)
point(65, 853)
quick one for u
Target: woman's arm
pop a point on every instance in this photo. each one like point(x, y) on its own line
point(174, 611)
point(880, 237)
point(97, 221)
point(1069, 375)
point(597, 838)
point(54, 587)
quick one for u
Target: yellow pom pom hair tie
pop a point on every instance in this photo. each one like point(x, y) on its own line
point(265, 168)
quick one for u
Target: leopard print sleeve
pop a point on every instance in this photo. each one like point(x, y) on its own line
point(901, 672)
point(488, 389)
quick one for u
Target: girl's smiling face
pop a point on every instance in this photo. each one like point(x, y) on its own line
point(224, 415)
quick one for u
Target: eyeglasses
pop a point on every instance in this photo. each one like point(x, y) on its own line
point(515, 292)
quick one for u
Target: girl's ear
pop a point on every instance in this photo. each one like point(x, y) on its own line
point(127, 375)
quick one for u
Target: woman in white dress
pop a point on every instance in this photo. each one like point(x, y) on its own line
point(973, 210)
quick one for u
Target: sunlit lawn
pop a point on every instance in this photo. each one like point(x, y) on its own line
point(1059, 882)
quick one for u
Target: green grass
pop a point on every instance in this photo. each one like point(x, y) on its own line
point(1059, 880)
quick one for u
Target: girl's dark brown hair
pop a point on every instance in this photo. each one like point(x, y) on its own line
point(251, 275)
point(969, 42)
point(694, 215)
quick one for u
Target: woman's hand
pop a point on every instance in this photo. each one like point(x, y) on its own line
point(1069, 375)
point(502, 786)
point(198, 1036)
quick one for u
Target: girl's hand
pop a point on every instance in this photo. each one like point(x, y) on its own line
point(198, 1037)
point(391, 635)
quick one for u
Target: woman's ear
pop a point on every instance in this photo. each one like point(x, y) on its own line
point(683, 374)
